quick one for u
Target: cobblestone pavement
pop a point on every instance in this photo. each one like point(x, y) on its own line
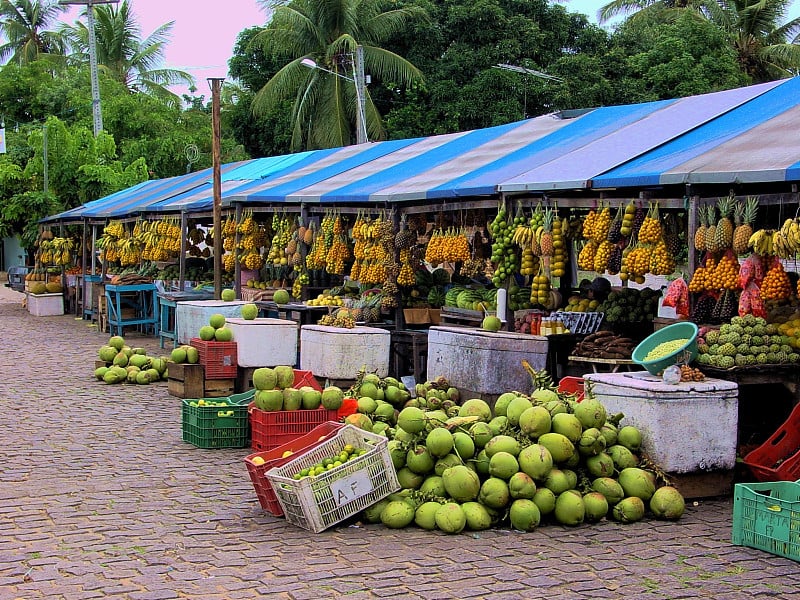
point(100, 497)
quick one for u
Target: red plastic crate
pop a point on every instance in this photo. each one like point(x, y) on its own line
point(572, 385)
point(274, 458)
point(778, 459)
point(218, 358)
point(270, 429)
point(303, 378)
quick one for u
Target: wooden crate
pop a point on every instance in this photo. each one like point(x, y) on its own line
point(185, 380)
point(188, 381)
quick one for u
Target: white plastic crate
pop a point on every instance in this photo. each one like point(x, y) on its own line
point(316, 503)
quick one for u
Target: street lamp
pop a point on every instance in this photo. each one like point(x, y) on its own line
point(358, 79)
point(526, 71)
point(96, 113)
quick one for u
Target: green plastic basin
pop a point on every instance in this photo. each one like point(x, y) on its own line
point(686, 353)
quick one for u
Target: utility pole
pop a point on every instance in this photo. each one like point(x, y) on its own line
point(216, 86)
point(97, 114)
point(358, 76)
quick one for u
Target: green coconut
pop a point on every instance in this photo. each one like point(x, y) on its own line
point(439, 442)
point(498, 424)
point(545, 499)
point(610, 488)
point(450, 518)
point(425, 515)
point(503, 465)
point(569, 509)
point(216, 320)
point(481, 433)
point(372, 514)
point(409, 480)
point(630, 437)
point(285, 376)
point(502, 402)
point(264, 378)
point(444, 463)
point(206, 333)
point(535, 461)
point(192, 355)
point(560, 447)
point(637, 482)
point(311, 398)
point(591, 413)
point(332, 397)
point(433, 485)
point(121, 360)
point(567, 425)
point(411, 419)
point(494, 493)
point(269, 400)
point(117, 342)
point(463, 445)
point(107, 353)
point(600, 465)
point(292, 399)
point(521, 485)
point(503, 443)
point(476, 408)
point(461, 483)
point(515, 408)
point(667, 503)
point(535, 421)
point(281, 296)
point(397, 514)
point(478, 518)
point(99, 372)
point(591, 442)
point(622, 457)
point(557, 481)
point(628, 510)
point(419, 460)
point(481, 463)
point(249, 311)
point(143, 377)
point(596, 506)
point(524, 515)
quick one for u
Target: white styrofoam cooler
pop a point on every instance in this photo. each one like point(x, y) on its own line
point(45, 305)
point(484, 362)
point(686, 428)
point(265, 342)
point(339, 353)
point(191, 315)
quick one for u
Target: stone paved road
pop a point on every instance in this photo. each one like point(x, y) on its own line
point(100, 498)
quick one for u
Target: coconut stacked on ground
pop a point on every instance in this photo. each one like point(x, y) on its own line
point(533, 459)
point(128, 365)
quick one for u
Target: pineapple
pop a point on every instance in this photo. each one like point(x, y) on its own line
point(546, 242)
point(404, 237)
point(700, 234)
point(741, 235)
point(711, 228)
point(723, 237)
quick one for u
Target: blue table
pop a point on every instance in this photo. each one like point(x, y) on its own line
point(142, 298)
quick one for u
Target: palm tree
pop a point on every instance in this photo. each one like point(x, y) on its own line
point(124, 56)
point(24, 24)
point(764, 46)
point(633, 7)
point(328, 32)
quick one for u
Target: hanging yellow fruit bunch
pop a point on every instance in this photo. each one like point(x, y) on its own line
point(776, 285)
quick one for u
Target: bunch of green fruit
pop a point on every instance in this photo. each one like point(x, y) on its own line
point(349, 452)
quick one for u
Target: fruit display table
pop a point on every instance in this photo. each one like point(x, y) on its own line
point(142, 298)
point(337, 353)
point(484, 364)
point(191, 315)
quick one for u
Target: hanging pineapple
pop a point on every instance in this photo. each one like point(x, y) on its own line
point(405, 238)
point(711, 228)
point(743, 231)
point(700, 232)
point(546, 241)
point(723, 236)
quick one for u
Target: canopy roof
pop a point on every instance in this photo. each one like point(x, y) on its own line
point(741, 135)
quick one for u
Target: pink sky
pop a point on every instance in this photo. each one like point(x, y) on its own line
point(203, 34)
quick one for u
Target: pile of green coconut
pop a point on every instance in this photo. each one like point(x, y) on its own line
point(529, 460)
point(124, 364)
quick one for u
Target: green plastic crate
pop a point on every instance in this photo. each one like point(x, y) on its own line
point(222, 424)
point(766, 516)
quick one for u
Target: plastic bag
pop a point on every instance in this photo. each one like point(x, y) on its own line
point(677, 297)
point(750, 302)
